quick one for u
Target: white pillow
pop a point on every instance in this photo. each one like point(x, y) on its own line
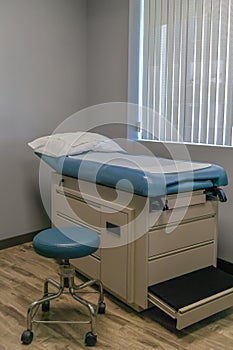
point(58, 145)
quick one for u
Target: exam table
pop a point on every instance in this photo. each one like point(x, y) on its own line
point(158, 230)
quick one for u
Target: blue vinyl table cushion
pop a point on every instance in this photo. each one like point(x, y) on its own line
point(69, 242)
point(139, 182)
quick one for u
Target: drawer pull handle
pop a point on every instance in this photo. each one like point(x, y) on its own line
point(113, 228)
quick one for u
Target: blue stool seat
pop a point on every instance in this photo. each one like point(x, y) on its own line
point(69, 242)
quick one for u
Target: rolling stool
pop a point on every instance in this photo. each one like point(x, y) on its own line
point(63, 244)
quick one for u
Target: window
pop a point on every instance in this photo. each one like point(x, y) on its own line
point(186, 71)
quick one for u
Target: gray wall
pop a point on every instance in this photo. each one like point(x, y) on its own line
point(222, 156)
point(56, 57)
point(42, 81)
point(107, 81)
point(107, 47)
point(218, 155)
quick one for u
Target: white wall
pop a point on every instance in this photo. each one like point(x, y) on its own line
point(42, 81)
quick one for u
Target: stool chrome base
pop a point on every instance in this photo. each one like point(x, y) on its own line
point(67, 275)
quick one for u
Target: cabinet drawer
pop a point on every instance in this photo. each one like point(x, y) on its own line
point(183, 235)
point(185, 199)
point(62, 221)
point(177, 264)
point(76, 208)
point(181, 214)
point(89, 265)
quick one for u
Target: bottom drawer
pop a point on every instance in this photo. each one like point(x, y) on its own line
point(89, 266)
point(167, 267)
point(193, 296)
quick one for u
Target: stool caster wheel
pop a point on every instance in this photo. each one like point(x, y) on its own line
point(101, 307)
point(45, 306)
point(26, 337)
point(90, 339)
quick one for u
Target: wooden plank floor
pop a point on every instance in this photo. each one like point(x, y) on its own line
point(22, 273)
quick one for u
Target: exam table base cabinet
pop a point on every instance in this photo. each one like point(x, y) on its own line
point(180, 241)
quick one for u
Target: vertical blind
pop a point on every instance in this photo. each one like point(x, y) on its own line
point(186, 70)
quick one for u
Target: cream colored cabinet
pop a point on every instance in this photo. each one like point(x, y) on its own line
point(142, 247)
